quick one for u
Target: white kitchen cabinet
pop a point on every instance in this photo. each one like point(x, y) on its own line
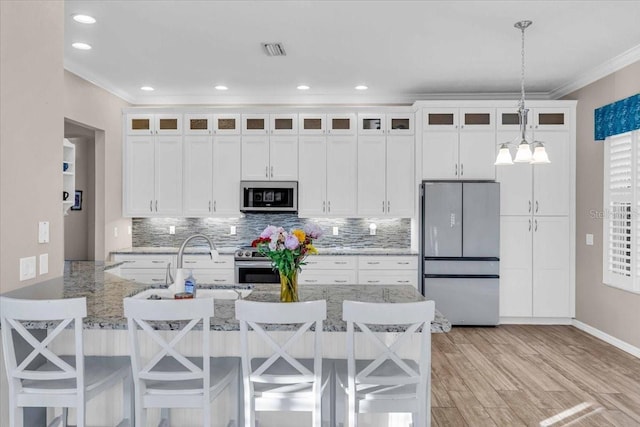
point(535, 267)
point(388, 270)
point(328, 181)
point(458, 143)
point(341, 124)
point(385, 175)
point(210, 272)
point(208, 124)
point(543, 189)
point(270, 147)
point(538, 118)
point(312, 124)
point(154, 124)
point(153, 176)
point(212, 175)
point(143, 268)
point(329, 269)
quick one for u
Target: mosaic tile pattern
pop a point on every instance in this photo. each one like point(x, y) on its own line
point(353, 232)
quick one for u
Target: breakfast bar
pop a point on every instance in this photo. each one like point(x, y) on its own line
point(105, 327)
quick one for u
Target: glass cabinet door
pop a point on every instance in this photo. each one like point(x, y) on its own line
point(371, 123)
point(341, 124)
point(197, 124)
point(400, 124)
point(311, 124)
point(551, 118)
point(227, 124)
point(255, 124)
point(440, 119)
point(284, 124)
point(477, 119)
point(140, 124)
point(168, 124)
point(509, 119)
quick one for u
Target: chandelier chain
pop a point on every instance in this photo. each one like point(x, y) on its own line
point(522, 70)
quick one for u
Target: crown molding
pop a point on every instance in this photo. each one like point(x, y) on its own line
point(97, 81)
point(609, 67)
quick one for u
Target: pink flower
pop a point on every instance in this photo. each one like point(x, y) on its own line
point(291, 242)
point(269, 231)
point(313, 230)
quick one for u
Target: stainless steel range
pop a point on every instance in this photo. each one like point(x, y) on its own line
point(253, 267)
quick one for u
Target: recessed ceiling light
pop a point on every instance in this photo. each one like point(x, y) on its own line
point(81, 46)
point(84, 19)
point(303, 87)
point(361, 87)
point(221, 87)
point(147, 88)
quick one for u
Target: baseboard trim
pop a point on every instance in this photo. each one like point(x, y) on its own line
point(622, 345)
point(536, 321)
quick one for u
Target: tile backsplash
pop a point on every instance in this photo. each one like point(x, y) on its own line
point(352, 232)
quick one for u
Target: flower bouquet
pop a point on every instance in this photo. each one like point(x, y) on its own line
point(287, 251)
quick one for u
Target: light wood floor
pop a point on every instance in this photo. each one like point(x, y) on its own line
point(515, 375)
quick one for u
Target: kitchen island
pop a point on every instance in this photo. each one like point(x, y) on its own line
point(105, 326)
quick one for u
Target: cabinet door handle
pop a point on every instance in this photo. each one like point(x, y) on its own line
point(388, 206)
point(403, 281)
point(157, 280)
point(156, 206)
point(214, 206)
point(403, 262)
point(536, 225)
point(373, 262)
point(190, 262)
point(529, 225)
point(323, 206)
point(271, 171)
point(310, 281)
point(219, 280)
point(340, 281)
point(456, 169)
point(340, 262)
point(158, 262)
point(150, 205)
point(383, 206)
point(536, 206)
point(529, 206)
point(266, 171)
point(209, 205)
point(329, 206)
point(373, 281)
point(461, 169)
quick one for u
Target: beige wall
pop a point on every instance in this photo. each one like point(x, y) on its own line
point(31, 132)
point(610, 310)
point(94, 107)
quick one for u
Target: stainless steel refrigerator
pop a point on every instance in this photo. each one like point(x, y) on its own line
point(460, 249)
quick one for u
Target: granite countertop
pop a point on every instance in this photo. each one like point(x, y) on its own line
point(230, 251)
point(105, 291)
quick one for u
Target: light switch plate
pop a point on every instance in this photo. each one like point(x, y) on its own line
point(232, 230)
point(335, 231)
point(44, 263)
point(43, 232)
point(27, 268)
point(172, 229)
point(590, 239)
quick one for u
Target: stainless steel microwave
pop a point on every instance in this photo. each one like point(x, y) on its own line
point(269, 196)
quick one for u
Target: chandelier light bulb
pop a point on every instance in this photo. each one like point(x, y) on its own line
point(524, 153)
point(504, 156)
point(539, 155)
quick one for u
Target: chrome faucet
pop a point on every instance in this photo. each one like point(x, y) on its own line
point(213, 250)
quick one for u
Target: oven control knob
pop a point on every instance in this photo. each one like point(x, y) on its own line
point(247, 254)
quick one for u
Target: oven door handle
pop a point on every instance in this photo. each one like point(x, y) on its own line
point(253, 265)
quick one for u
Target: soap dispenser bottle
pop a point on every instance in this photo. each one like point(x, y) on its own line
point(190, 284)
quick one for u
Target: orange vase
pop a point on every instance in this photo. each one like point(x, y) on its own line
point(289, 287)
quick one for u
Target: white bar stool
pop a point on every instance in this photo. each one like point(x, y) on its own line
point(61, 381)
point(387, 383)
point(168, 379)
point(282, 382)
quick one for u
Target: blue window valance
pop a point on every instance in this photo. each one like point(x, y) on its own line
point(616, 118)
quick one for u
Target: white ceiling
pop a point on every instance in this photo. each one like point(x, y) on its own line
point(403, 50)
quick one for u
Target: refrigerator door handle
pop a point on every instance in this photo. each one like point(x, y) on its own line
point(529, 224)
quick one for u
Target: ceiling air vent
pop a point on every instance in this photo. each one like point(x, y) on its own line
point(274, 49)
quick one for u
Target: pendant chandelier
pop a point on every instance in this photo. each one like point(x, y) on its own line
point(524, 154)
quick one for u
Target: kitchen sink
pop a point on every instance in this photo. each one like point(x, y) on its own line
point(226, 293)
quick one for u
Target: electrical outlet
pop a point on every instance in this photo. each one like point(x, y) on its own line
point(232, 230)
point(27, 268)
point(590, 239)
point(115, 231)
point(172, 229)
point(372, 229)
point(43, 232)
point(335, 231)
point(44, 263)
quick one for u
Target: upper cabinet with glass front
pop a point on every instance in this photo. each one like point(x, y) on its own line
point(540, 118)
point(312, 124)
point(154, 124)
point(207, 124)
point(341, 124)
point(265, 124)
